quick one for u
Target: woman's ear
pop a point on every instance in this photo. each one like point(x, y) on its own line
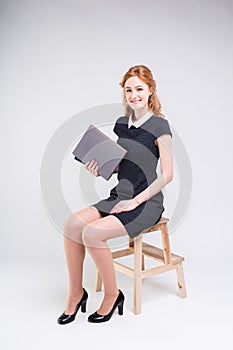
point(151, 91)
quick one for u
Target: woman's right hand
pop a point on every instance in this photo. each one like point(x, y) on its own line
point(92, 167)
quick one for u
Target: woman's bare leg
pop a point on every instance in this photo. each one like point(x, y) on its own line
point(75, 253)
point(94, 236)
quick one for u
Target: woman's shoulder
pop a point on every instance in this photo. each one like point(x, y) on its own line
point(158, 126)
point(157, 120)
point(120, 124)
point(122, 120)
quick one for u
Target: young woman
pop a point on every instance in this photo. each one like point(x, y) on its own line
point(133, 205)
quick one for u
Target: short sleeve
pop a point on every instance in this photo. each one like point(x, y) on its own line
point(162, 128)
point(115, 129)
point(118, 124)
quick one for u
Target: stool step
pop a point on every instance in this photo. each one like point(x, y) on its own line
point(157, 253)
point(121, 253)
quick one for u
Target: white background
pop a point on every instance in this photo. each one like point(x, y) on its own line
point(61, 57)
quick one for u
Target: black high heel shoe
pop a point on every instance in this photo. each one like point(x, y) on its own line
point(64, 319)
point(96, 318)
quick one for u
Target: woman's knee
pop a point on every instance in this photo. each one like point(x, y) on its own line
point(95, 234)
point(91, 237)
point(72, 228)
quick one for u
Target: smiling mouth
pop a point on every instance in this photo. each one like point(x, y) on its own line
point(137, 101)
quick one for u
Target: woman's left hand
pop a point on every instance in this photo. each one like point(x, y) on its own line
point(125, 205)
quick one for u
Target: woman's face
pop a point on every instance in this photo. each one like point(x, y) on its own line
point(136, 93)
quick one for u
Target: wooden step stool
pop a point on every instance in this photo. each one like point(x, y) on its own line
point(140, 249)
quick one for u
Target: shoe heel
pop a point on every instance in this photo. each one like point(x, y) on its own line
point(83, 306)
point(120, 308)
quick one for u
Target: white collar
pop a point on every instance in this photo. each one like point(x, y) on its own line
point(140, 121)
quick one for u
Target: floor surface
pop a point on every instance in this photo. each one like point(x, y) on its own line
point(33, 295)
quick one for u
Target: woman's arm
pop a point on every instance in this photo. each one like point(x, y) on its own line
point(164, 143)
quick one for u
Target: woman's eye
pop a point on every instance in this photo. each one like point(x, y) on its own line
point(127, 90)
point(140, 89)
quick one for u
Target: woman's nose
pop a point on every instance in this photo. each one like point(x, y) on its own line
point(134, 94)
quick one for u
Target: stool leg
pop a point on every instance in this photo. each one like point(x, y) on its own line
point(98, 284)
point(181, 280)
point(131, 242)
point(166, 245)
point(143, 262)
point(138, 274)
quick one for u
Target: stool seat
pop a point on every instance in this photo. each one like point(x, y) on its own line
point(138, 248)
point(155, 227)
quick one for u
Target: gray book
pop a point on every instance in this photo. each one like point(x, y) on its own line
point(95, 145)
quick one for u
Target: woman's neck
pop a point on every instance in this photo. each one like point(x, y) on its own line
point(139, 113)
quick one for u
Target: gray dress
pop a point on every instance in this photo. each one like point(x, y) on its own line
point(137, 171)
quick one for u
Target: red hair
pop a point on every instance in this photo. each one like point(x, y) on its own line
point(144, 74)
